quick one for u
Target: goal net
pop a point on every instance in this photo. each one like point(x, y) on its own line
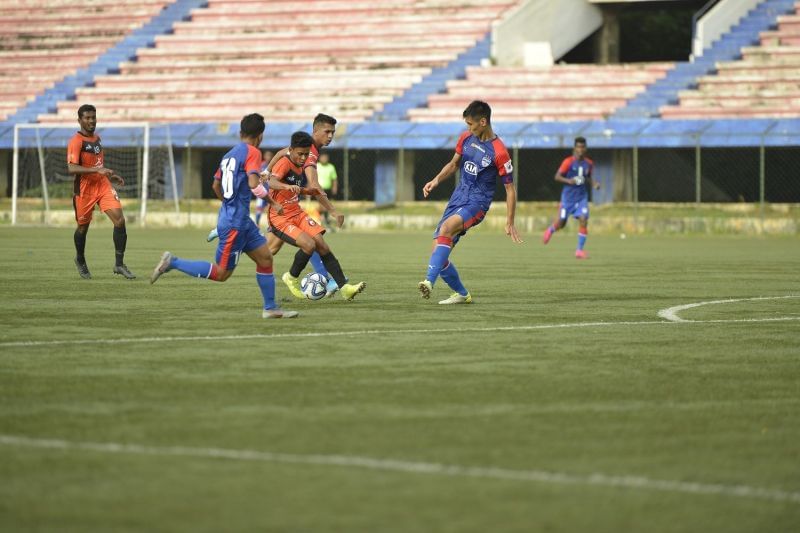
point(42, 188)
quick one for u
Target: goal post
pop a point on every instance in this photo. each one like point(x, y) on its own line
point(42, 188)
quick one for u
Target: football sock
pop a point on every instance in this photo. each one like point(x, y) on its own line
point(266, 282)
point(450, 276)
point(319, 266)
point(80, 245)
point(582, 237)
point(333, 266)
point(300, 261)
point(120, 240)
point(196, 269)
point(444, 246)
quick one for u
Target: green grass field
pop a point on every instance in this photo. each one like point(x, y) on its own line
point(560, 401)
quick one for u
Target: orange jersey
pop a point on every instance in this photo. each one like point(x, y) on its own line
point(313, 155)
point(86, 152)
point(291, 174)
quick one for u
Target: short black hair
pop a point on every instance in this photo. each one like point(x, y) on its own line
point(252, 125)
point(85, 108)
point(478, 109)
point(580, 140)
point(301, 139)
point(324, 119)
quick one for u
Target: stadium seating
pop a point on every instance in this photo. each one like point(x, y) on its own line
point(235, 57)
point(765, 82)
point(42, 41)
point(560, 92)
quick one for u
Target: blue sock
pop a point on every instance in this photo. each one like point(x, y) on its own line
point(266, 282)
point(450, 276)
point(581, 238)
point(319, 266)
point(196, 269)
point(552, 229)
point(441, 252)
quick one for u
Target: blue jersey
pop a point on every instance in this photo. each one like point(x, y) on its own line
point(241, 160)
point(571, 168)
point(482, 162)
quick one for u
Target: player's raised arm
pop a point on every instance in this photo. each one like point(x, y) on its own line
point(447, 170)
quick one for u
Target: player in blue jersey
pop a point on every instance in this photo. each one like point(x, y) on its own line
point(575, 173)
point(482, 158)
point(261, 203)
point(240, 180)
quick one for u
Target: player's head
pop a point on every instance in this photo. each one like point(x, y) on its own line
point(87, 118)
point(300, 147)
point(251, 128)
point(323, 130)
point(478, 116)
point(579, 148)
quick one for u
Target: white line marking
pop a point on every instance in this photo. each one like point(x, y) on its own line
point(312, 334)
point(414, 467)
point(316, 334)
point(671, 313)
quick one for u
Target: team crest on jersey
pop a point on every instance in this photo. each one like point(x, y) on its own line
point(486, 161)
point(471, 168)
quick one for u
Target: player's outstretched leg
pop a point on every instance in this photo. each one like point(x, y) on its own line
point(441, 252)
point(196, 269)
point(213, 234)
point(461, 295)
point(348, 290)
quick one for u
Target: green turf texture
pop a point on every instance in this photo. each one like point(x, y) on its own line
point(706, 402)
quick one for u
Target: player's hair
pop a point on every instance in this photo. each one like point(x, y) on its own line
point(323, 119)
point(580, 140)
point(85, 108)
point(478, 109)
point(252, 125)
point(301, 139)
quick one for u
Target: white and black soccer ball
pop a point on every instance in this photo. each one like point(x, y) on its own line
point(313, 286)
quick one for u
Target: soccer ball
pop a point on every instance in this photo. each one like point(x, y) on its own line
point(313, 286)
point(578, 180)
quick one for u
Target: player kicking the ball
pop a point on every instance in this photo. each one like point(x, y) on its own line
point(294, 226)
point(240, 179)
point(482, 158)
point(575, 173)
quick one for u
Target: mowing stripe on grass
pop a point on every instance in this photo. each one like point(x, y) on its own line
point(315, 334)
point(671, 313)
point(414, 467)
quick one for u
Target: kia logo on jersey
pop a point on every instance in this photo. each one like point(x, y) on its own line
point(471, 168)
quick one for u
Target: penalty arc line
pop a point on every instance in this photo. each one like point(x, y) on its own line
point(414, 467)
point(671, 313)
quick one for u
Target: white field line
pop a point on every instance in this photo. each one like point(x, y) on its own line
point(671, 313)
point(414, 467)
point(318, 334)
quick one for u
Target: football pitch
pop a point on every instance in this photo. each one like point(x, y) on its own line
point(571, 396)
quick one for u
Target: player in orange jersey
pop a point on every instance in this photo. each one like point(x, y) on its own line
point(93, 187)
point(295, 226)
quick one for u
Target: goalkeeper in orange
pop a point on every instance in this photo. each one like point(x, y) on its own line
point(295, 226)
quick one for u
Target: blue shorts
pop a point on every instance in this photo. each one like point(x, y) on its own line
point(234, 241)
point(577, 209)
point(471, 213)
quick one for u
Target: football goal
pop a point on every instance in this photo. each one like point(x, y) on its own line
point(42, 188)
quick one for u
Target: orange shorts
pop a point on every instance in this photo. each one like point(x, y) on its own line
point(289, 228)
point(93, 193)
